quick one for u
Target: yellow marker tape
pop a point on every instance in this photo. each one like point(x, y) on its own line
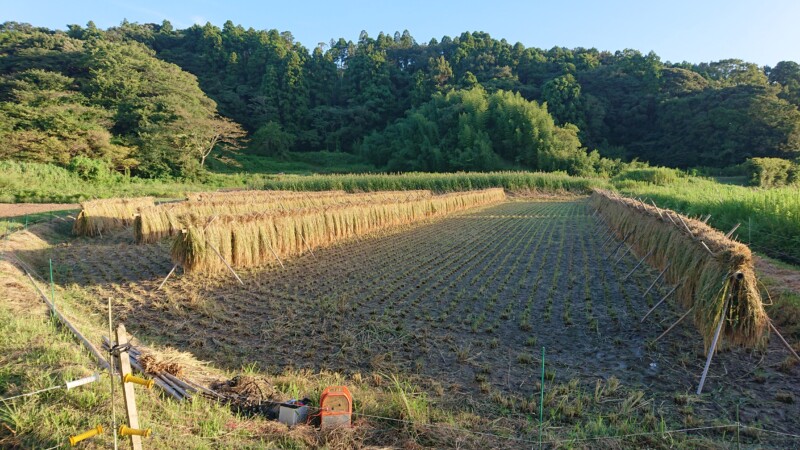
point(73, 440)
point(125, 431)
point(128, 378)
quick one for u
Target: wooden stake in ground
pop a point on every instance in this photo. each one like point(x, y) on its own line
point(637, 265)
point(656, 280)
point(226, 262)
point(673, 325)
point(786, 344)
point(661, 301)
point(127, 388)
point(714, 342)
point(619, 246)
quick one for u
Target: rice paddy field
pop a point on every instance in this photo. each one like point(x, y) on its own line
point(438, 324)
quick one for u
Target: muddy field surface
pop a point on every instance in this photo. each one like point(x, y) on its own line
point(466, 303)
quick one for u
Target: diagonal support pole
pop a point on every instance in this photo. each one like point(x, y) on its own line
point(656, 280)
point(637, 265)
point(713, 344)
point(661, 301)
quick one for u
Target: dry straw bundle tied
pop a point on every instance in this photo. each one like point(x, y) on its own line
point(257, 239)
point(254, 195)
point(165, 220)
point(100, 216)
point(707, 266)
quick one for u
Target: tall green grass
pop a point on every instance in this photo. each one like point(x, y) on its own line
point(769, 218)
point(437, 182)
point(42, 183)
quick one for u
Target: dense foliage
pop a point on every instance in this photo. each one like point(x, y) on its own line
point(147, 97)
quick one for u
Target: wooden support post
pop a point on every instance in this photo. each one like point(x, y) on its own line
point(619, 246)
point(127, 388)
point(786, 344)
point(730, 233)
point(275, 255)
point(610, 236)
point(661, 301)
point(706, 219)
point(671, 219)
point(714, 344)
point(673, 325)
point(685, 226)
point(167, 277)
point(623, 255)
point(706, 247)
point(637, 265)
point(226, 264)
point(656, 280)
point(657, 209)
point(308, 246)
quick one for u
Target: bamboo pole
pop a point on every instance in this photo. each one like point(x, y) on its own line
point(786, 344)
point(89, 346)
point(656, 280)
point(226, 262)
point(167, 277)
point(730, 233)
point(623, 255)
point(661, 301)
point(673, 325)
point(713, 344)
point(637, 265)
point(620, 245)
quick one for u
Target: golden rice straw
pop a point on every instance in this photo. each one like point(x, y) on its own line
point(704, 272)
point(255, 195)
point(165, 220)
point(250, 240)
point(100, 216)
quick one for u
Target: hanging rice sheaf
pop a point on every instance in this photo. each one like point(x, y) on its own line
point(252, 240)
point(100, 216)
point(706, 266)
point(156, 223)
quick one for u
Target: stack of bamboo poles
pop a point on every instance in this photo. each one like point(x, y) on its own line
point(99, 216)
point(155, 223)
point(252, 240)
point(706, 266)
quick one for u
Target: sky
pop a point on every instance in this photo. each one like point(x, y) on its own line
point(764, 32)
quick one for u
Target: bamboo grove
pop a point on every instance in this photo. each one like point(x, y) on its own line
point(705, 265)
point(256, 239)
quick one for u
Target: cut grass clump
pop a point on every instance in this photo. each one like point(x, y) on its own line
point(705, 276)
point(101, 216)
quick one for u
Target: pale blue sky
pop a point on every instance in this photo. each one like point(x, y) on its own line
point(763, 32)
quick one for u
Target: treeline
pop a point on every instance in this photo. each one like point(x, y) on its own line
point(130, 98)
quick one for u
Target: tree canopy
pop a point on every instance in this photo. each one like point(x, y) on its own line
point(158, 100)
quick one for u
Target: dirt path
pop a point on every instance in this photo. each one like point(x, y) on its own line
point(786, 277)
point(20, 209)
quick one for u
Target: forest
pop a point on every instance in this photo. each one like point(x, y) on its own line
point(155, 101)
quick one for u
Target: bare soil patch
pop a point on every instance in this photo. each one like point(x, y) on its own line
point(21, 209)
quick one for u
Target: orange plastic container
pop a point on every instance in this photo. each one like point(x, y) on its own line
point(336, 407)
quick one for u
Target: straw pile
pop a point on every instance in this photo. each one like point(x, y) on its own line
point(254, 195)
point(158, 222)
point(253, 240)
point(705, 279)
point(100, 216)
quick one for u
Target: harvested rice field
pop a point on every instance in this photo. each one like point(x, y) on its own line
point(461, 307)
